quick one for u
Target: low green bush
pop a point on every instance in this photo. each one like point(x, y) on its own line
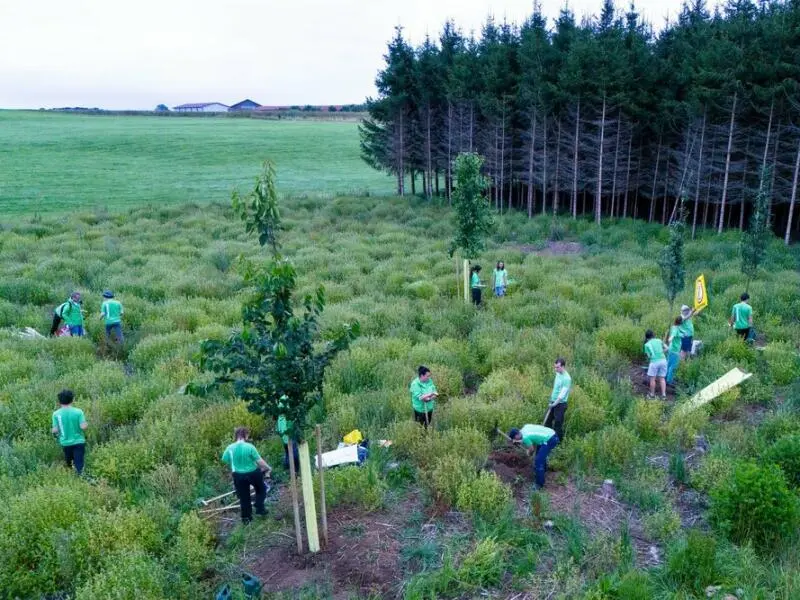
point(192, 550)
point(713, 469)
point(128, 575)
point(360, 486)
point(624, 337)
point(783, 362)
point(483, 566)
point(445, 477)
point(663, 524)
point(692, 563)
point(486, 497)
point(786, 454)
point(755, 505)
point(646, 418)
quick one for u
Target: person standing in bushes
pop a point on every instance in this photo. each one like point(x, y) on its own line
point(674, 345)
point(248, 470)
point(111, 311)
point(657, 369)
point(686, 331)
point(68, 425)
point(539, 439)
point(500, 279)
point(475, 285)
point(70, 312)
point(557, 407)
point(423, 396)
point(742, 316)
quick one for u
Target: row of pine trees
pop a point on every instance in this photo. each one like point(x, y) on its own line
point(603, 117)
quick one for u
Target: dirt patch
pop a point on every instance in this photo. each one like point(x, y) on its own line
point(363, 554)
point(512, 468)
point(551, 248)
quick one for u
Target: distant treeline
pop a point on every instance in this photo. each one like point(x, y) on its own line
point(603, 116)
point(345, 113)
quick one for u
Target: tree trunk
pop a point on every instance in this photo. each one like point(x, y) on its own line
point(401, 168)
point(413, 183)
point(655, 180)
point(744, 178)
point(530, 165)
point(638, 180)
point(502, 156)
point(598, 206)
point(471, 120)
point(616, 163)
point(774, 163)
point(627, 178)
point(710, 180)
point(555, 180)
point(428, 155)
point(465, 266)
point(544, 168)
point(699, 174)
point(494, 168)
point(727, 168)
point(766, 146)
point(666, 191)
point(449, 174)
point(575, 164)
point(787, 235)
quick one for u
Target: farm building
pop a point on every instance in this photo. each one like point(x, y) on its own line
point(245, 105)
point(202, 107)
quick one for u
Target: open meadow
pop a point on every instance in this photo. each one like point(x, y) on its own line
point(54, 162)
point(708, 499)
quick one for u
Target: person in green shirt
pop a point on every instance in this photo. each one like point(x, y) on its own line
point(500, 279)
point(539, 439)
point(68, 425)
point(475, 284)
point(674, 345)
point(248, 470)
point(111, 311)
point(423, 396)
point(686, 331)
point(557, 406)
point(742, 316)
point(657, 369)
point(283, 426)
point(70, 312)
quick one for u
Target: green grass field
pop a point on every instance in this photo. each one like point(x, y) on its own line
point(61, 162)
point(130, 531)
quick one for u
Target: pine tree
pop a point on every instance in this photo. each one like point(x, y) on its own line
point(671, 261)
point(753, 247)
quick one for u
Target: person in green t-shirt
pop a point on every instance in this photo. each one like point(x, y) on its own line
point(70, 312)
point(68, 425)
point(539, 439)
point(283, 426)
point(686, 331)
point(500, 279)
point(111, 311)
point(248, 470)
point(657, 369)
point(674, 345)
point(557, 406)
point(742, 316)
point(423, 396)
point(475, 284)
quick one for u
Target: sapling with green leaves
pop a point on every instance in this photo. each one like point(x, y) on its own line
point(753, 246)
point(473, 212)
point(671, 260)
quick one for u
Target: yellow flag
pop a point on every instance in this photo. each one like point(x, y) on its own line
point(700, 296)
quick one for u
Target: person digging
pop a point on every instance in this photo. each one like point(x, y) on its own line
point(536, 439)
point(248, 470)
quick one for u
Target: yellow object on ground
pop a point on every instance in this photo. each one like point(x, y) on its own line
point(353, 437)
point(730, 380)
point(700, 295)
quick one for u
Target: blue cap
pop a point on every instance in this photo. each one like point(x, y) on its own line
point(513, 433)
point(108, 294)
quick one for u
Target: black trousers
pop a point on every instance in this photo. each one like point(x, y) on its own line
point(296, 454)
point(555, 419)
point(476, 296)
point(420, 418)
point(744, 333)
point(74, 455)
point(242, 483)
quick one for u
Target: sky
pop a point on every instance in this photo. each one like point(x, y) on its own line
point(135, 55)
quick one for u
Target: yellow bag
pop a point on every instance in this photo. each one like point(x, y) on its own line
point(353, 437)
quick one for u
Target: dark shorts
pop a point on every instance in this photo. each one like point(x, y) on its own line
point(744, 333)
point(686, 344)
point(419, 417)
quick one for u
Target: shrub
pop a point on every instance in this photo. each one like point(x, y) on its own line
point(755, 505)
point(485, 497)
point(692, 563)
point(646, 418)
point(446, 476)
point(710, 472)
point(129, 575)
point(193, 548)
point(356, 485)
point(783, 362)
point(583, 415)
point(610, 449)
point(786, 454)
point(682, 426)
point(624, 337)
point(171, 483)
point(663, 524)
point(484, 566)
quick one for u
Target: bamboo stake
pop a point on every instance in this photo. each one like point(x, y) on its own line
point(309, 506)
point(322, 505)
point(295, 502)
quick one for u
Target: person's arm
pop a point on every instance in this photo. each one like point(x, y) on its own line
point(54, 425)
point(262, 464)
point(750, 318)
point(226, 457)
point(83, 423)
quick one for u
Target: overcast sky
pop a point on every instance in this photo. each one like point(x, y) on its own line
point(138, 54)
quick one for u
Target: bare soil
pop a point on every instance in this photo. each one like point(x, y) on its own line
point(641, 382)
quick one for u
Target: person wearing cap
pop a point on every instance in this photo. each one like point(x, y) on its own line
point(423, 396)
point(539, 439)
point(686, 331)
point(742, 316)
point(111, 311)
point(657, 369)
point(248, 470)
point(72, 315)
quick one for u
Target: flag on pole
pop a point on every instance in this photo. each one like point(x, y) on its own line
point(700, 296)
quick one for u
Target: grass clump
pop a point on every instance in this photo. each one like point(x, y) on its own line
point(486, 497)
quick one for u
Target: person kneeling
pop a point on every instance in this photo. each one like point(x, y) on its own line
point(539, 439)
point(248, 470)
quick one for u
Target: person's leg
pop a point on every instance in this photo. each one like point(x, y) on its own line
point(78, 451)
point(296, 456)
point(68, 450)
point(673, 360)
point(56, 322)
point(476, 296)
point(541, 459)
point(652, 386)
point(118, 329)
point(286, 456)
point(257, 481)
point(241, 484)
point(559, 410)
point(663, 382)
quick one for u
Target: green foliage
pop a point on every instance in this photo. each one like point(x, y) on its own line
point(130, 575)
point(755, 505)
point(360, 486)
point(783, 362)
point(692, 563)
point(193, 548)
point(473, 213)
point(485, 497)
point(446, 477)
point(786, 454)
point(484, 566)
point(663, 524)
point(753, 246)
point(671, 261)
point(259, 209)
point(646, 419)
